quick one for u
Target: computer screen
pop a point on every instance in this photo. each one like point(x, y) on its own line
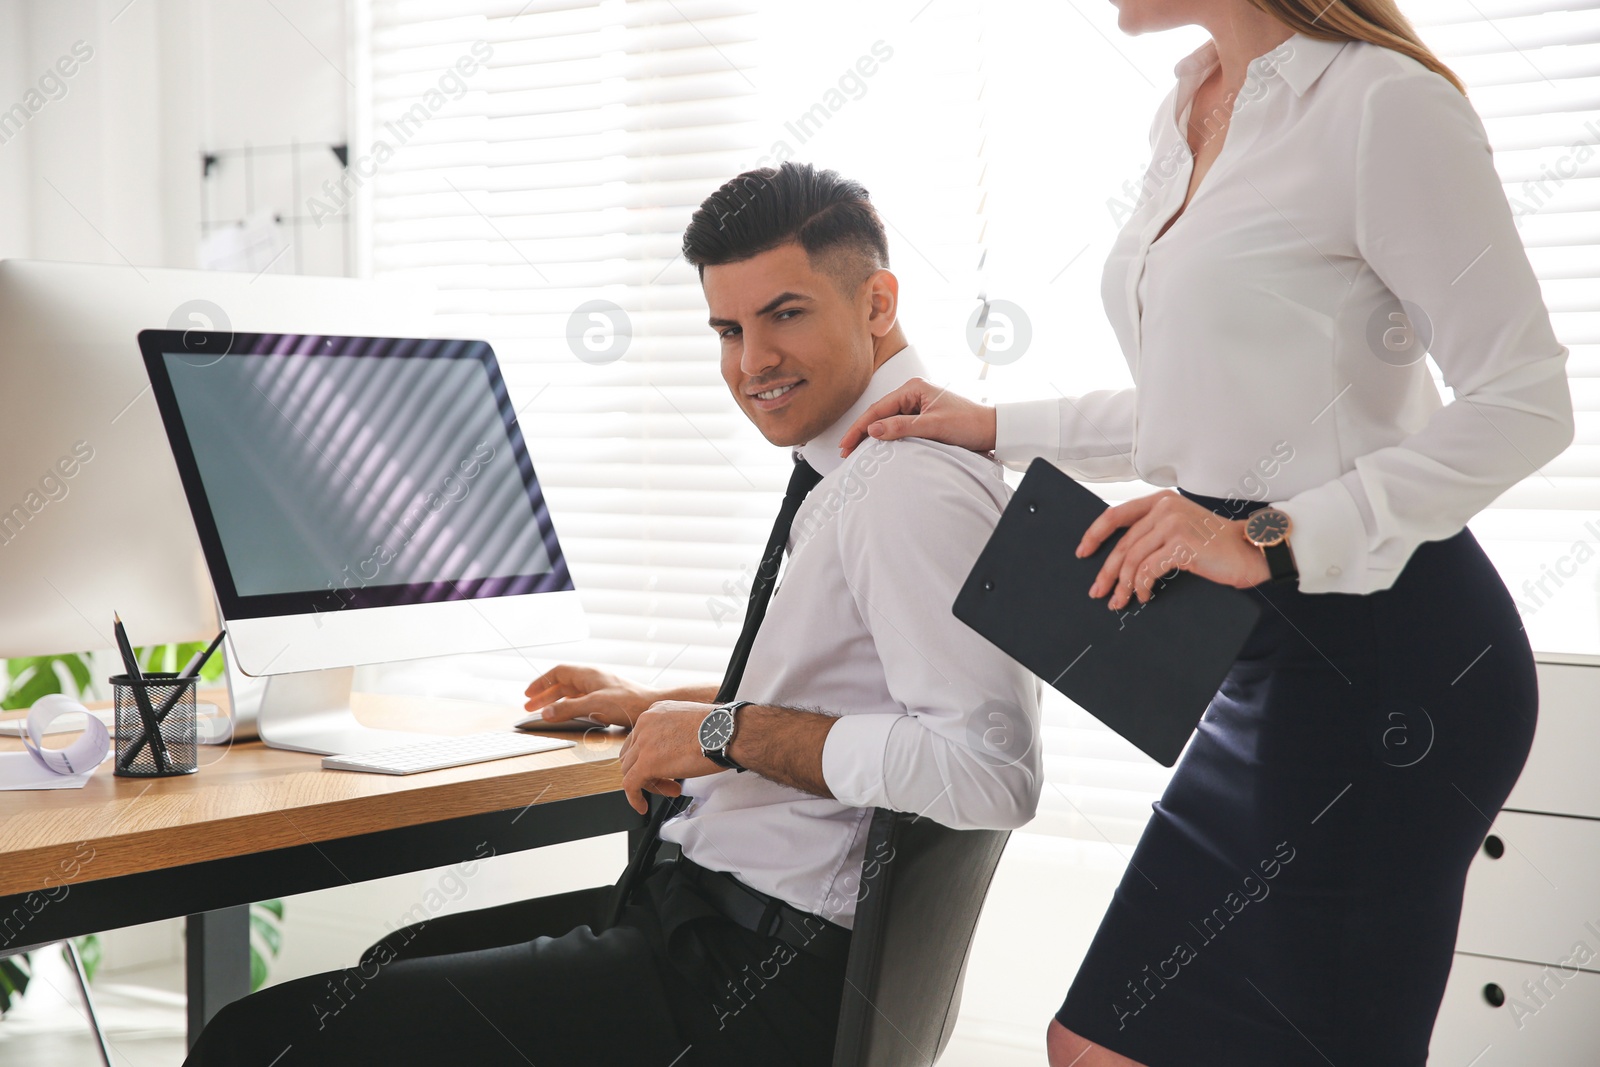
point(328, 473)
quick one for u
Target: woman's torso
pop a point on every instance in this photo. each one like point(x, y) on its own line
point(1253, 323)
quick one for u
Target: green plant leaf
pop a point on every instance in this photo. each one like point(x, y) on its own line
point(183, 652)
point(78, 667)
point(215, 665)
point(177, 656)
point(14, 977)
point(32, 677)
point(265, 917)
point(263, 928)
point(23, 682)
point(90, 952)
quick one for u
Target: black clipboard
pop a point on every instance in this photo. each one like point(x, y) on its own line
point(1148, 671)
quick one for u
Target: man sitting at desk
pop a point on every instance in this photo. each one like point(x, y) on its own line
point(860, 689)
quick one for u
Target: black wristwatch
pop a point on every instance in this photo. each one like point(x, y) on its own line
point(1268, 530)
point(716, 734)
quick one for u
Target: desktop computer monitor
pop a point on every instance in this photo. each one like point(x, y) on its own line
point(92, 516)
point(358, 500)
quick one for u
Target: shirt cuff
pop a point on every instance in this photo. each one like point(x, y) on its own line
point(1025, 430)
point(853, 757)
point(1328, 539)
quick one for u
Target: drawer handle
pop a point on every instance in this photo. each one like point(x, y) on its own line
point(1493, 847)
point(1494, 995)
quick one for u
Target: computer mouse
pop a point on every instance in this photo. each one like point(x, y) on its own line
point(537, 721)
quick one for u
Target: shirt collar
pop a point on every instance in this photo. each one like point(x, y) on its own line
point(822, 451)
point(1299, 61)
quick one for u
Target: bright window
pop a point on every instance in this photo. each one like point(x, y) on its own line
point(995, 139)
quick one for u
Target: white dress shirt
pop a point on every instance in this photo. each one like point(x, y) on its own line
point(932, 717)
point(1269, 358)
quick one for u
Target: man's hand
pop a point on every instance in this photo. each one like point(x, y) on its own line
point(664, 747)
point(781, 744)
point(571, 692)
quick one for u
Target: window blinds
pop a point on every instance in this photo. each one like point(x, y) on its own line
point(1532, 69)
point(995, 142)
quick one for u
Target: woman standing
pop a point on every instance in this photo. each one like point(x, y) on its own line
point(1321, 210)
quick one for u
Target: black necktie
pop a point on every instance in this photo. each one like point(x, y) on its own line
point(801, 482)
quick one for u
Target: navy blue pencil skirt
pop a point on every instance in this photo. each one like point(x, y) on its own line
point(1295, 896)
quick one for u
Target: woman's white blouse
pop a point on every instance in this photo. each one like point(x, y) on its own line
point(1352, 221)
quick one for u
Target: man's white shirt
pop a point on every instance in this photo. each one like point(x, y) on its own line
point(933, 718)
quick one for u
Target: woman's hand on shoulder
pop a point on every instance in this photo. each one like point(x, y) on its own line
point(920, 408)
point(1168, 532)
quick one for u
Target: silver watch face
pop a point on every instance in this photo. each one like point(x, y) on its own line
point(716, 730)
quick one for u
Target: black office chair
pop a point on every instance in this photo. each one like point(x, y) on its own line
point(922, 889)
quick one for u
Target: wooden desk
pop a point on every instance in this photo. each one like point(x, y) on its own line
point(256, 823)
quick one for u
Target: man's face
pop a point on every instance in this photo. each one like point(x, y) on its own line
point(787, 328)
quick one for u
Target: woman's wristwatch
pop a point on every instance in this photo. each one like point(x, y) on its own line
point(716, 734)
point(1268, 530)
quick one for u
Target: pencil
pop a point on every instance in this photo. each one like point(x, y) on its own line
point(192, 668)
point(141, 698)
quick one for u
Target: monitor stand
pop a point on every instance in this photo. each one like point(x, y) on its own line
point(309, 711)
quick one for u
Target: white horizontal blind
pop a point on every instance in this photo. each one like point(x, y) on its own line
point(565, 173)
point(996, 143)
point(539, 189)
point(1532, 69)
point(1068, 101)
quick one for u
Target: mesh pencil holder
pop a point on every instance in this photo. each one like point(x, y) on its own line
point(172, 747)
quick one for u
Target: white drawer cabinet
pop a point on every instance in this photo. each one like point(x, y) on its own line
point(1525, 987)
point(1489, 1018)
point(1534, 890)
point(1563, 770)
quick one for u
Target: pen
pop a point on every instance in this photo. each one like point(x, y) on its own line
point(198, 660)
point(190, 669)
point(141, 699)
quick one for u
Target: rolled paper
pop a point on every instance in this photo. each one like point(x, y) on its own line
point(84, 754)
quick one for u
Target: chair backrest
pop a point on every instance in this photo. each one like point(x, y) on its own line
point(922, 887)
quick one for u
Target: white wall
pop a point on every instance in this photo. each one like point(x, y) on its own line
point(106, 168)
point(110, 171)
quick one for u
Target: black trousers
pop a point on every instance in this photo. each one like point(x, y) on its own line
point(673, 984)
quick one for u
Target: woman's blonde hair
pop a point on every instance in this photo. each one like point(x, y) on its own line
point(1375, 21)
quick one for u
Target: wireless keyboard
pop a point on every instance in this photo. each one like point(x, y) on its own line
point(443, 752)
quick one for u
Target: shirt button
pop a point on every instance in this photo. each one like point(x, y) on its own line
point(1333, 572)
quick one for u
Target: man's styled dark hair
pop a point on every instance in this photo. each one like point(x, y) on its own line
point(832, 218)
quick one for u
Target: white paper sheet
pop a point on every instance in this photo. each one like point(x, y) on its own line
point(55, 768)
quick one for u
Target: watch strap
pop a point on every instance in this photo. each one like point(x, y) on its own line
point(1280, 562)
